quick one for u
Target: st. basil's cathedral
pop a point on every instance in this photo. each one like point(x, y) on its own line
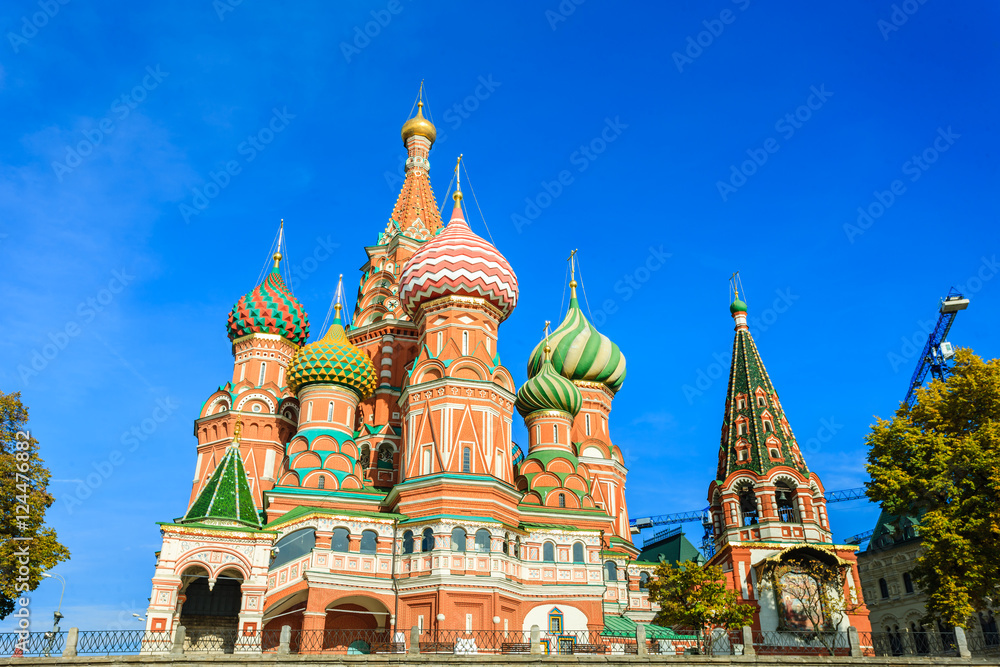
point(369, 479)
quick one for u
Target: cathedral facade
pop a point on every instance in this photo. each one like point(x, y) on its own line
point(369, 480)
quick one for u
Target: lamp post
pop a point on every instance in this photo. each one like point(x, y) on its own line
point(56, 615)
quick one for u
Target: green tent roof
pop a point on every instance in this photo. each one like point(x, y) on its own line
point(226, 495)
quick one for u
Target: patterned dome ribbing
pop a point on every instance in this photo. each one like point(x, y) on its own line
point(458, 263)
point(547, 390)
point(333, 360)
point(581, 352)
point(269, 308)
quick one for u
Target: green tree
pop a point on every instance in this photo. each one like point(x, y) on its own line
point(693, 596)
point(27, 546)
point(940, 460)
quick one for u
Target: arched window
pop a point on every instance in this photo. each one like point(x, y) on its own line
point(883, 588)
point(364, 457)
point(440, 343)
point(321, 484)
point(785, 497)
point(741, 428)
point(465, 343)
point(555, 433)
point(506, 544)
point(458, 539)
point(538, 433)
point(408, 542)
point(741, 404)
point(482, 541)
point(263, 369)
point(466, 460)
point(292, 546)
point(767, 426)
point(611, 570)
point(341, 540)
point(748, 505)
point(644, 581)
point(549, 552)
point(562, 500)
point(369, 542)
point(578, 552)
point(761, 402)
point(907, 582)
point(329, 412)
point(517, 547)
point(586, 421)
point(427, 543)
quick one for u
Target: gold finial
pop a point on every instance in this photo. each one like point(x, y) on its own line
point(337, 305)
point(733, 281)
point(572, 273)
point(281, 232)
point(237, 429)
point(547, 350)
point(458, 180)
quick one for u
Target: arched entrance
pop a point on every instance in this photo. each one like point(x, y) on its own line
point(287, 611)
point(211, 609)
point(357, 625)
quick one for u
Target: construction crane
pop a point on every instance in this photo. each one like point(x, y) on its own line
point(937, 351)
point(933, 359)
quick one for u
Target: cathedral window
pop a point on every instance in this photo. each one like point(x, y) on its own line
point(741, 403)
point(555, 433)
point(427, 543)
point(369, 542)
point(465, 343)
point(506, 544)
point(538, 433)
point(408, 542)
point(578, 552)
point(549, 552)
point(440, 342)
point(741, 428)
point(883, 588)
point(321, 484)
point(482, 541)
point(586, 421)
point(907, 582)
point(761, 402)
point(243, 371)
point(329, 412)
point(425, 462)
point(562, 500)
point(644, 581)
point(611, 570)
point(743, 455)
point(365, 457)
point(785, 499)
point(774, 452)
point(555, 621)
point(341, 540)
point(517, 547)
point(748, 505)
point(263, 369)
point(466, 459)
point(458, 539)
point(309, 411)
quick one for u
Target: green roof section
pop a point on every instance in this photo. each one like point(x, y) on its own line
point(226, 496)
point(620, 626)
point(304, 510)
point(760, 416)
point(674, 548)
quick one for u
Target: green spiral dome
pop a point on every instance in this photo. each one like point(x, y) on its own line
point(547, 390)
point(581, 352)
point(333, 360)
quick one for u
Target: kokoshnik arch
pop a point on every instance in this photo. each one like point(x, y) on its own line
point(368, 480)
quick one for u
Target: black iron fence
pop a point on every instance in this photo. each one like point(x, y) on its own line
point(485, 642)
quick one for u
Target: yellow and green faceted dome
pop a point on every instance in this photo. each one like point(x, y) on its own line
point(270, 308)
point(333, 360)
point(547, 390)
point(580, 352)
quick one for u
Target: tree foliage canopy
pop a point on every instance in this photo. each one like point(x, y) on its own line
point(27, 546)
point(940, 460)
point(693, 596)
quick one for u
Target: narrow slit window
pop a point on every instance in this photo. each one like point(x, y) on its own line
point(329, 412)
point(465, 343)
point(586, 421)
point(263, 370)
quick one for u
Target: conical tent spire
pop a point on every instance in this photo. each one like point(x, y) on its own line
point(756, 435)
point(226, 496)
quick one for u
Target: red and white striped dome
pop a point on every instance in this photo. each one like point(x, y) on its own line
point(457, 262)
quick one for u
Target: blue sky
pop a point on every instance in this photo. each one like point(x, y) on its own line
point(697, 139)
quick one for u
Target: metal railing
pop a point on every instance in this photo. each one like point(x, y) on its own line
point(122, 642)
point(987, 644)
point(15, 644)
point(801, 642)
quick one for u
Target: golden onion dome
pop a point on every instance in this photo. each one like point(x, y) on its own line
point(418, 125)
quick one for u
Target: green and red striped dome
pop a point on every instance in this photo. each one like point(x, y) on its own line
point(270, 308)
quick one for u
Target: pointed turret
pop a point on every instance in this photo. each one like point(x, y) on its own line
point(756, 434)
point(226, 496)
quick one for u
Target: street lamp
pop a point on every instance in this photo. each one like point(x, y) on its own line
point(56, 615)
